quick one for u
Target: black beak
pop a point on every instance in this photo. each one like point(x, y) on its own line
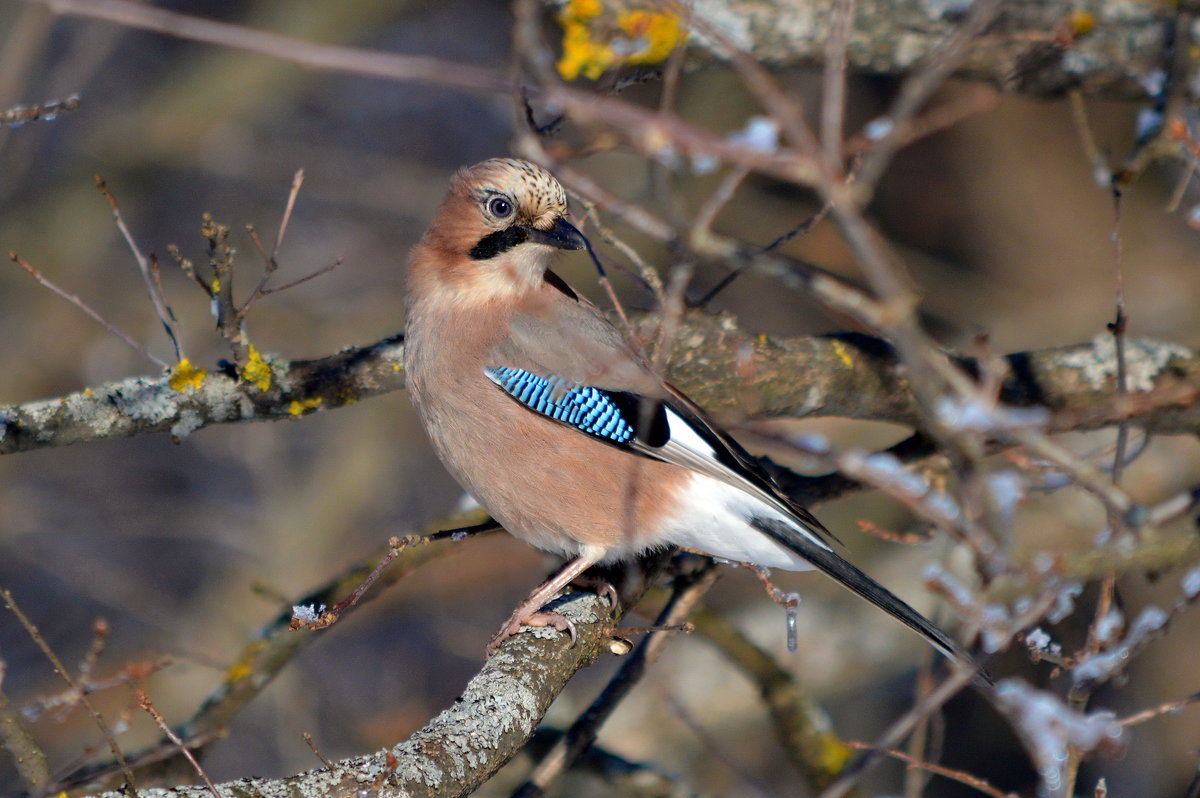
point(562, 236)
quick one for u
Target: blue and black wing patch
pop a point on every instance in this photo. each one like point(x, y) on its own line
point(608, 415)
point(673, 432)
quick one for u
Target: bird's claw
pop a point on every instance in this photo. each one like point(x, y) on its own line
point(602, 588)
point(513, 625)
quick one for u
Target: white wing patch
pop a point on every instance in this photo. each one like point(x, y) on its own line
point(685, 435)
point(687, 448)
point(713, 517)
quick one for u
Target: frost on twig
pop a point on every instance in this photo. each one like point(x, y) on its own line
point(1049, 730)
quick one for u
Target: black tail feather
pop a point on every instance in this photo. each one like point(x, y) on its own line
point(855, 580)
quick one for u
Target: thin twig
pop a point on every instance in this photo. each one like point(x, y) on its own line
point(270, 261)
point(63, 673)
point(671, 315)
point(79, 303)
point(800, 229)
point(153, 288)
point(297, 181)
point(312, 744)
point(833, 95)
point(665, 195)
point(1166, 708)
point(959, 679)
point(702, 223)
point(321, 618)
point(961, 776)
point(920, 86)
point(1101, 172)
point(782, 106)
point(970, 101)
point(272, 647)
point(915, 778)
point(718, 750)
point(1118, 327)
point(269, 267)
point(301, 280)
point(27, 755)
point(286, 48)
point(47, 112)
point(145, 703)
point(949, 688)
point(646, 275)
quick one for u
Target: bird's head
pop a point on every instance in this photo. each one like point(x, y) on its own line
point(496, 231)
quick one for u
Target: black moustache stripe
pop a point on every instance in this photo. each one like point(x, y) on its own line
point(500, 241)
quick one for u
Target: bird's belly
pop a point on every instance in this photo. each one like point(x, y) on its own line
point(558, 492)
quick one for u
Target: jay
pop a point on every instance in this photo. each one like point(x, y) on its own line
point(551, 420)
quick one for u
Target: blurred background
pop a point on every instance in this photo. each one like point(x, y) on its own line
point(182, 547)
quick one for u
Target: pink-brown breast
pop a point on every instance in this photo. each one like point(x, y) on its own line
point(552, 486)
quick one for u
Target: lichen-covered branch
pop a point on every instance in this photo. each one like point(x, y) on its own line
point(495, 715)
point(1034, 47)
point(141, 405)
point(847, 375)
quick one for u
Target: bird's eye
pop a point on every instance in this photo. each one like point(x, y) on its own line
point(499, 207)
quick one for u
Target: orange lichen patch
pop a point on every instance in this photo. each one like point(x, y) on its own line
point(184, 376)
point(593, 44)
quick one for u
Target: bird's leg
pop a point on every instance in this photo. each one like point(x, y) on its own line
point(528, 612)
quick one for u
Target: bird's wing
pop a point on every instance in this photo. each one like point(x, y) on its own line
point(564, 360)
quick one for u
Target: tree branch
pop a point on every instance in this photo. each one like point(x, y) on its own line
point(492, 719)
point(1035, 48)
point(849, 375)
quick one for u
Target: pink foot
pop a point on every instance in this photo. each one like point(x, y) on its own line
point(518, 619)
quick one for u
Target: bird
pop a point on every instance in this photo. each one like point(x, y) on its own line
point(561, 430)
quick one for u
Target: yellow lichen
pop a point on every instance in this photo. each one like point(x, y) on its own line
point(184, 375)
point(297, 407)
point(257, 370)
point(583, 9)
point(1082, 22)
point(88, 393)
point(582, 55)
point(833, 754)
point(590, 46)
point(662, 33)
point(245, 665)
point(843, 354)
